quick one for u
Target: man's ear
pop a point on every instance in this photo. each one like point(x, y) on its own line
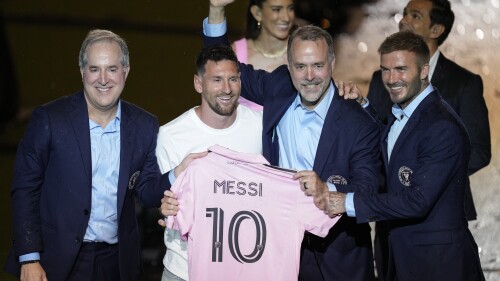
point(332, 65)
point(424, 72)
point(436, 31)
point(197, 84)
point(127, 70)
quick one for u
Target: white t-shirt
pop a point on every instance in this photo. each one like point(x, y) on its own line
point(245, 220)
point(187, 134)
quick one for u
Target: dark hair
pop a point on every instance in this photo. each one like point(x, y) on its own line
point(406, 41)
point(214, 53)
point(311, 33)
point(441, 13)
point(99, 35)
point(252, 29)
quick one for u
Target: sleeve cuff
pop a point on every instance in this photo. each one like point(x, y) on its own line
point(29, 257)
point(171, 177)
point(331, 186)
point(214, 30)
point(349, 205)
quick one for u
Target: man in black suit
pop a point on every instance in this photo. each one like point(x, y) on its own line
point(463, 90)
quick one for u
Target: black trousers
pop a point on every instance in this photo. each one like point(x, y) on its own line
point(96, 261)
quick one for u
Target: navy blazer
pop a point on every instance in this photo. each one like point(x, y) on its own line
point(347, 155)
point(51, 190)
point(429, 238)
point(463, 90)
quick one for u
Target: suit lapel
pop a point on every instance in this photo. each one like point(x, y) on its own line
point(127, 131)
point(383, 141)
point(414, 120)
point(79, 119)
point(275, 111)
point(440, 73)
point(330, 133)
point(407, 129)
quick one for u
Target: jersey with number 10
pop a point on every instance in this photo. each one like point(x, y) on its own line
point(244, 219)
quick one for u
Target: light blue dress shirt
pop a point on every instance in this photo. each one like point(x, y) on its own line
point(105, 153)
point(299, 131)
point(402, 117)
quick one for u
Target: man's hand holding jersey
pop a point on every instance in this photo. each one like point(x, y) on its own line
point(169, 203)
point(331, 202)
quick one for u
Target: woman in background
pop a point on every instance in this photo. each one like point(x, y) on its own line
point(269, 22)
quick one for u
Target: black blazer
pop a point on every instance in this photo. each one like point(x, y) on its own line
point(463, 90)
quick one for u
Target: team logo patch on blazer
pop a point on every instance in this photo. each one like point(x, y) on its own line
point(405, 175)
point(337, 179)
point(133, 179)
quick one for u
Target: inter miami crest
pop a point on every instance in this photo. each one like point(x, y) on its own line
point(337, 180)
point(405, 175)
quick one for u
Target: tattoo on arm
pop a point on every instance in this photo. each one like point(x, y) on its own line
point(335, 204)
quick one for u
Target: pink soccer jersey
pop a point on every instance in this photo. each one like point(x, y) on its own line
point(244, 220)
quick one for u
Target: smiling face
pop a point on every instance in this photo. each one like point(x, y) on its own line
point(402, 77)
point(220, 87)
point(276, 17)
point(310, 70)
point(103, 76)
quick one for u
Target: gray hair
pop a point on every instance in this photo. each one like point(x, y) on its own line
point(311, 33)
point(99, 35)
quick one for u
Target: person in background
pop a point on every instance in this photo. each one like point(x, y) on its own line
point(218, 120)
point(425, 150)
point(82, 160)
point(268, 25)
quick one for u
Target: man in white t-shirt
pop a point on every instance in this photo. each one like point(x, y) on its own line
point(218, 120)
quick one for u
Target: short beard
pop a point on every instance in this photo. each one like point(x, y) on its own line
point(220, 111)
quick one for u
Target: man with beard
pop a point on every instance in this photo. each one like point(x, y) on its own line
point(425, 151)
point(463, 90)
point(218, 120)
point(308, 126)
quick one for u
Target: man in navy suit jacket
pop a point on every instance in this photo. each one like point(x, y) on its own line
point(332, 142)
point(81, 162)
point(425, 150)
point(463, 90)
